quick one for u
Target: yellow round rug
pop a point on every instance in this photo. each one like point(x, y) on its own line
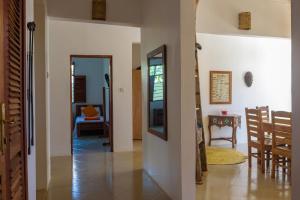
point(224, 156)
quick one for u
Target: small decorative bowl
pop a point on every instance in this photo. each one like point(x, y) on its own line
point(224, 112)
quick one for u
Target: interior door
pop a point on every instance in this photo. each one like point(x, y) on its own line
point(12, 135)
point(137, 104)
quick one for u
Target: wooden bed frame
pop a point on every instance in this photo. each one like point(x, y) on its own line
point(89, 126)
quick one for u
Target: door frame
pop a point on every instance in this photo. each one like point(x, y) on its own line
point(111, 113)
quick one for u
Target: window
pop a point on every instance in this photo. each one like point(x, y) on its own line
point(157, 79)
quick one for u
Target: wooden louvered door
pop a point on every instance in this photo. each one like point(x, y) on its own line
point(12, 67)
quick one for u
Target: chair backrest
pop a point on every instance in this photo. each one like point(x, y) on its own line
point(253, 119)
point(282, 128)
point(264, 110)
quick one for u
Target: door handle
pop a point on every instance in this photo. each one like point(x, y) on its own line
point(2, 127)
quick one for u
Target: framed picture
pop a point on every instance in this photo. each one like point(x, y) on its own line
point(220, 87)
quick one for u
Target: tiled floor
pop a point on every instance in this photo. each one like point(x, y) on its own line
point(119, 176)
point(101, 176)
point(89, 144)
point(238, 182)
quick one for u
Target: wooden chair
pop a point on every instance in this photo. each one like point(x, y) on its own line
point(265, 112)
point(265, 116)
point(256, 139)
point(281, 141)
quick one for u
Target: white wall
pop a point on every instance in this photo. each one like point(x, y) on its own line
point(170, 162)
point(94, 69)
point(48, 125)
point(269, 17)
point(66, 38)
point(42, 145)
point(296, 98)
point(117, 11)
point(269, 59)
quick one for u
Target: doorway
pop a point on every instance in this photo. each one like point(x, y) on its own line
point(91, 88)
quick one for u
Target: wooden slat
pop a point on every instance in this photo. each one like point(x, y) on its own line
point(15, 163)
point(15, 146)
point(14, 130)
point(253, 117)
point(14, 77)
point(14, 173)
point(282, 121)
point(252, 112)
point(14, 100)
point(282, 114)
point(253, 134)
point(18, 195)
point(283, 141)
point(253, 123)
point(16, 183)
point(16, 169)
point(14, 66)
point(14, 106)
point(13, 59)
point(14, 112)
point(13, 30)
point(15, 7)
point(14, 18)
point(16, 43)
point(17, 95)
point(14, 47)
point(13, 38)
point(285, 129)
point(15, 118)
point(15, 72)
point(15, 89)
point(13, 26)
point(253, 129)
point(279, 134)
point(14, 55)
point(16, 84)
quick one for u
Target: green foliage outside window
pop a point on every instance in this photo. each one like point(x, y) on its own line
point(157, 72)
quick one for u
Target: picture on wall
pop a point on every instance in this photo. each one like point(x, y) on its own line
point(220, 87)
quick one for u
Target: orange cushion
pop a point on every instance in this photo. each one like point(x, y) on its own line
point(91, 118)
point(90, 111)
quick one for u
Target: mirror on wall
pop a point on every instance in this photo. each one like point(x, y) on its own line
point(157, 92)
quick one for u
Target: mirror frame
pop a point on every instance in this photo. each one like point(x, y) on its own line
point(163, 50)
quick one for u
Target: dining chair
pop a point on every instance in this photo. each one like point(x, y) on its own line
point(281, 141)
point(256, 139)
point(265, 112)
point(265, 117)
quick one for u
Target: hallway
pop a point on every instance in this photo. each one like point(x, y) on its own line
point(119, 176)
point(96, 176)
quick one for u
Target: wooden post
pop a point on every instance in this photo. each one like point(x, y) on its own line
point(201, 160)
